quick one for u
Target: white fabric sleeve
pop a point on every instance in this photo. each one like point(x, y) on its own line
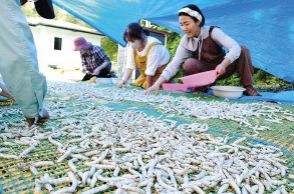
point(222, 39)
point(158, 56)
point(130, 58)
point(173, 67)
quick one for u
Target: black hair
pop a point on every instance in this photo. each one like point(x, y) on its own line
point(135, 32)
point(195, 8)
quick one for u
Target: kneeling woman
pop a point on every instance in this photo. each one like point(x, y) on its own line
point(147, 54)
point(201, 49)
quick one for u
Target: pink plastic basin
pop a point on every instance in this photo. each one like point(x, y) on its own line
point(200, 79)
point(175, 87)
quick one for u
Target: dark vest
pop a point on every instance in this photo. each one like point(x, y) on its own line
point(211, 53)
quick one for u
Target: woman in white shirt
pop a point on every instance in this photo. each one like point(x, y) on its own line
point(147, 54)
point(202, 49)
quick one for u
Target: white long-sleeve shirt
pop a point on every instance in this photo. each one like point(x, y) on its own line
point(189, 45)
point(157, 57)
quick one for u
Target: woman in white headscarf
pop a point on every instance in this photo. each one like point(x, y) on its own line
point(203, 49)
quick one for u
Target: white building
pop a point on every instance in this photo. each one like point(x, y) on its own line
point(54, 42)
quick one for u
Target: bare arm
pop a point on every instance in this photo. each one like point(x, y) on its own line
point(149, 81)
point(126, 77)
point(156, 86)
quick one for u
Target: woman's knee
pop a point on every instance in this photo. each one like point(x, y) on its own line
point(191, 66)
point(244, 50)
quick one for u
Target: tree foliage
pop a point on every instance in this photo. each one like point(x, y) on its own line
point(261, 78)
point(173, 39)
point(110, 48)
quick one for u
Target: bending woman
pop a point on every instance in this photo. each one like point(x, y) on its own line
point(147, 54)
point(203, 49)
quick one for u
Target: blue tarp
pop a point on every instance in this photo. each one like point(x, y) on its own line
point(282, 97)
point(266, 27)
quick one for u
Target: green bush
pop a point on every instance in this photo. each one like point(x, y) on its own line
point(110, 48)
point(260, 77)
point(234, 80)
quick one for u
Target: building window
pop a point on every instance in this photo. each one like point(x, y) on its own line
point(57, 43)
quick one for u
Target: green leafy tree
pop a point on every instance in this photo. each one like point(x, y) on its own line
point(110, 48)
point(173, 39)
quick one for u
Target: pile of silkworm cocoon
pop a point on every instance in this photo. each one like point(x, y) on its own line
point(241, 113)
point(131, 152)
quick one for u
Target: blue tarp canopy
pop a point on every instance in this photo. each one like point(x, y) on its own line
point(266, 27)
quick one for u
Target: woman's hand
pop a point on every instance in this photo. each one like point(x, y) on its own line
point(220, 69)
point(121, 84)
point(96, 71)
point(154, 88)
